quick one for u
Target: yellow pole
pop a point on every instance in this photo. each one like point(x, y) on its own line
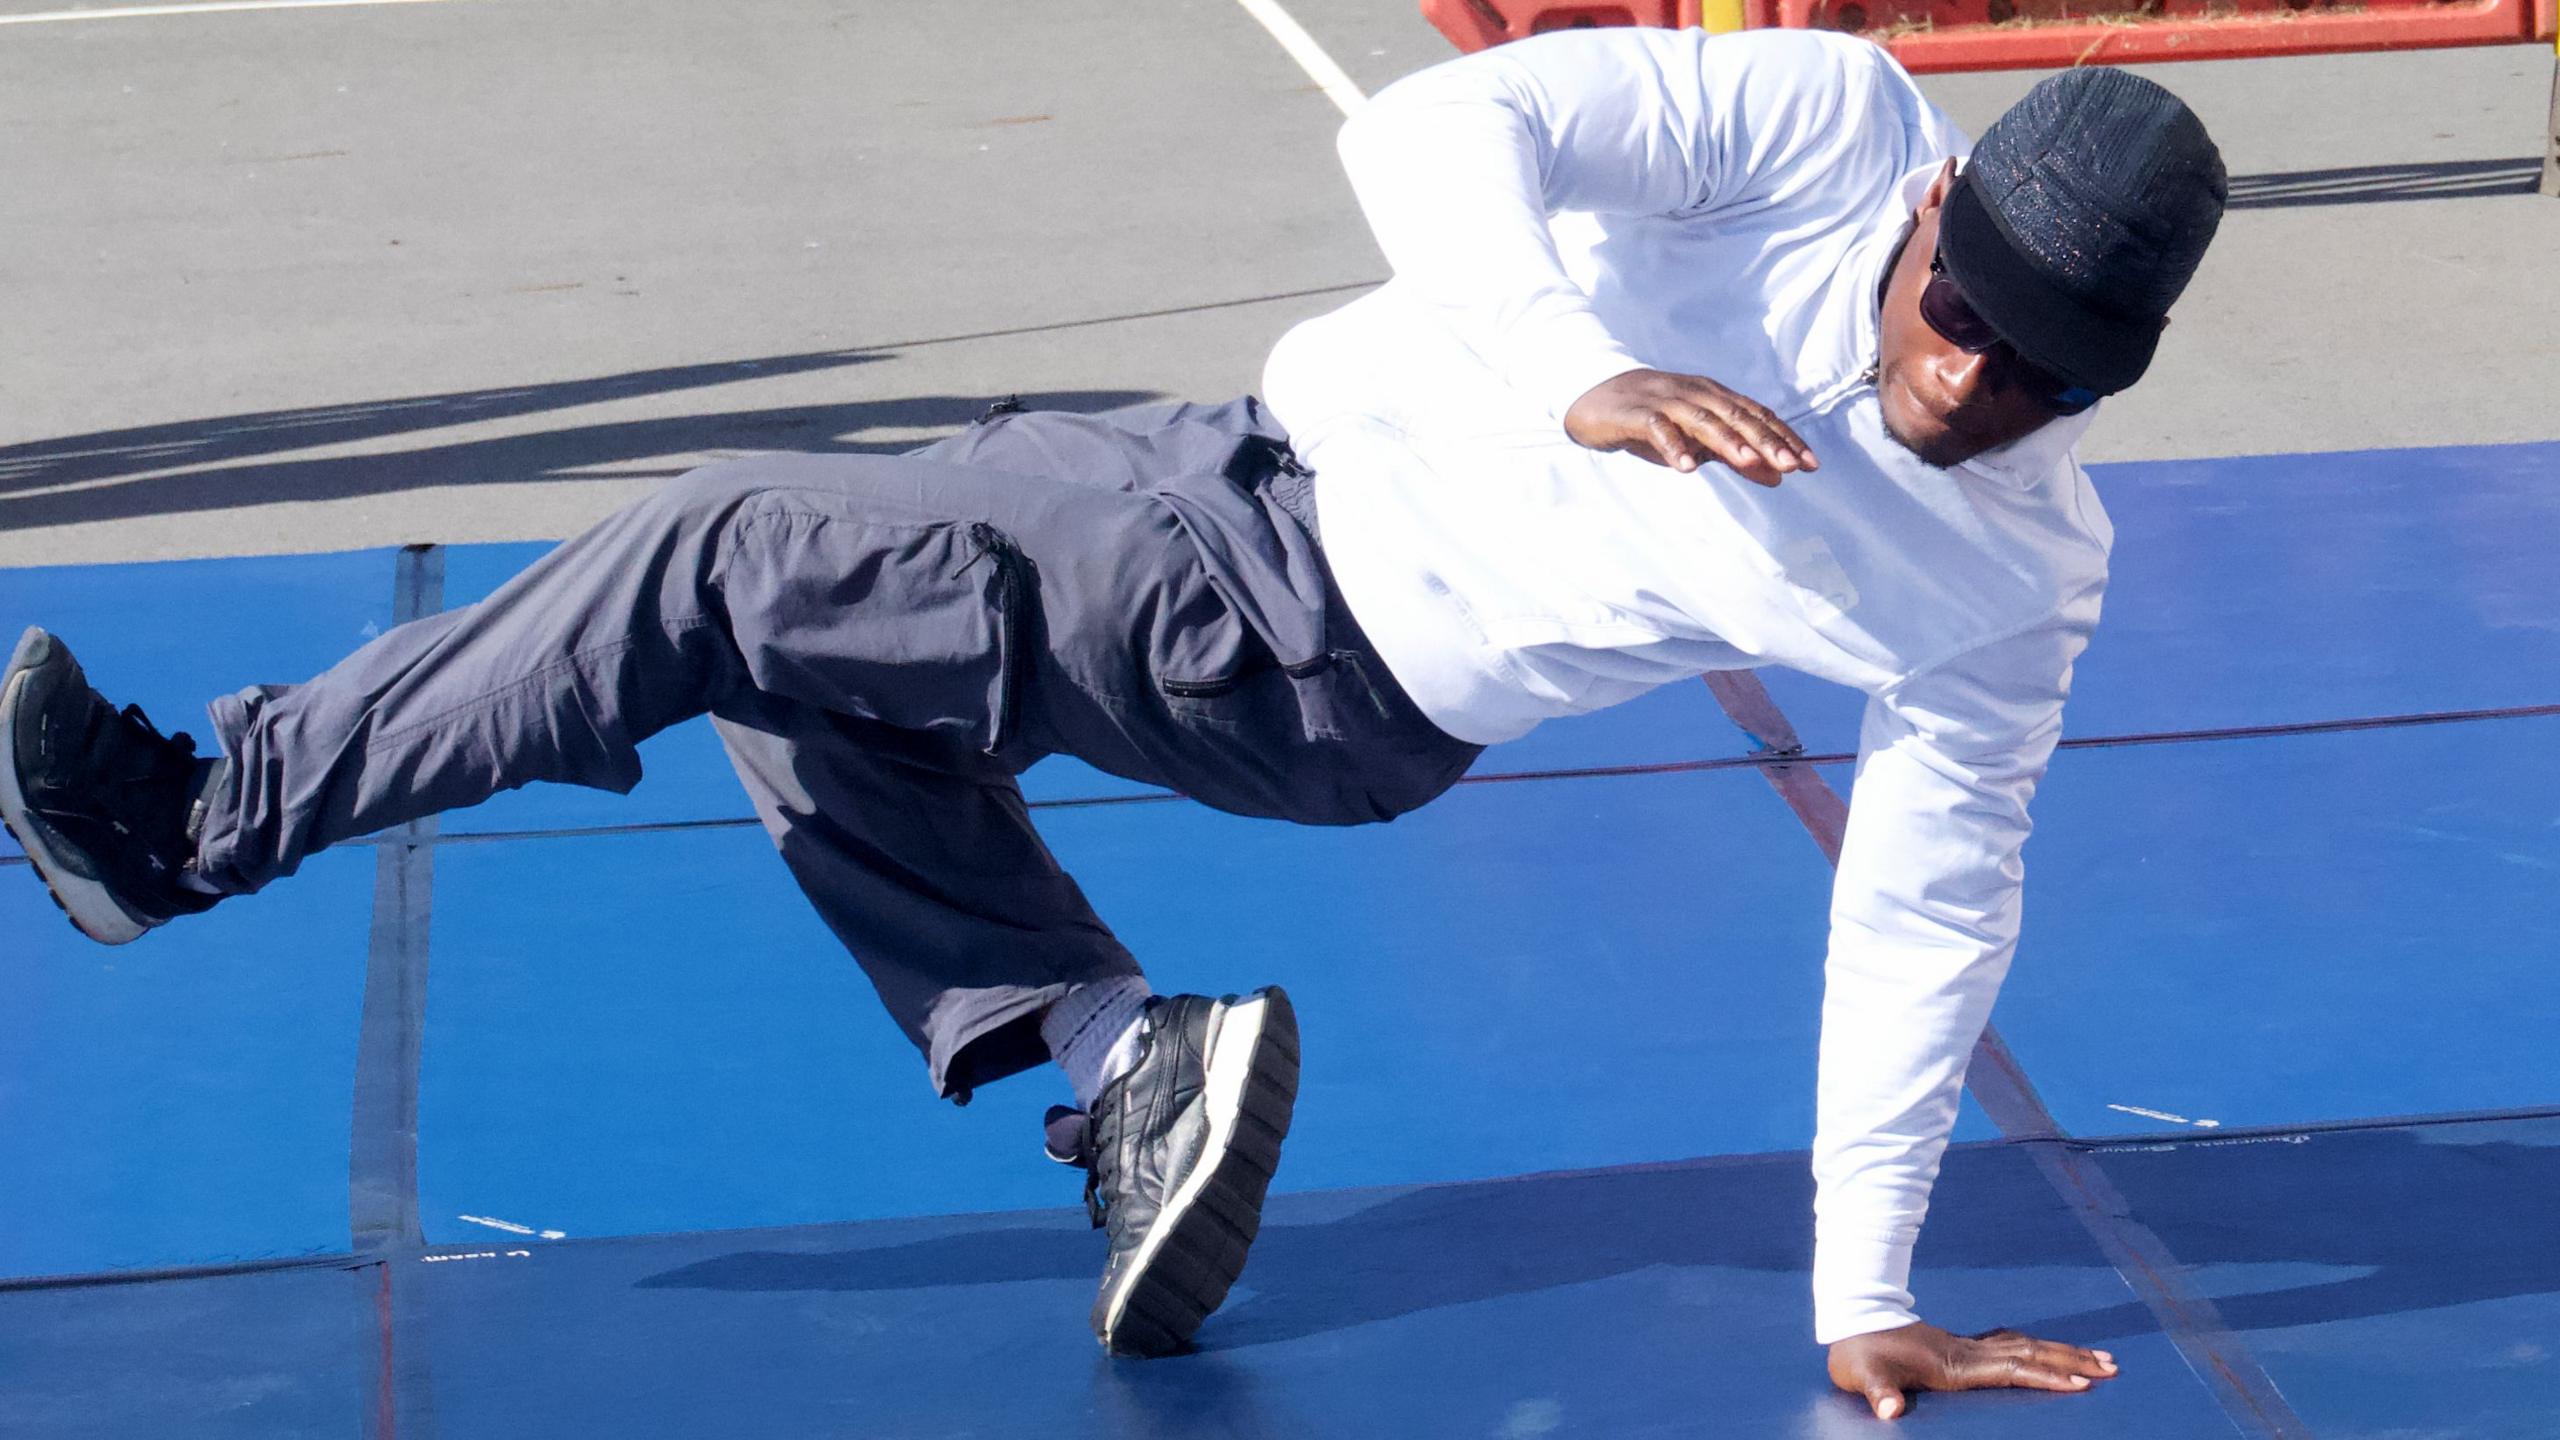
point(1720, 17)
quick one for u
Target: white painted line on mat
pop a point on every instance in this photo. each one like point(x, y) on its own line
point(512, 1227)
point(137, 12)
point(1302, 47)
point(2165, 1115)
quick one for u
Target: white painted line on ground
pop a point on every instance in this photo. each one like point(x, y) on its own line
point(2165, 1115)
point(1302, 47)
point(136, 12)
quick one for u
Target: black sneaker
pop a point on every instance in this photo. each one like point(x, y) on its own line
point(1179, 1153)
point(99, 799)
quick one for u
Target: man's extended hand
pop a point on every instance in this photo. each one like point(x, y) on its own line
point(1882, 1365)
point(1683, 421)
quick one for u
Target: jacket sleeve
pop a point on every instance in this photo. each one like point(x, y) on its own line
point(1924, 919)
point(1460, 168)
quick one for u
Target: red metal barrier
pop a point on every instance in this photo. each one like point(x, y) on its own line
point(1474, 24)
point(2020, 39)
point(1928, 35)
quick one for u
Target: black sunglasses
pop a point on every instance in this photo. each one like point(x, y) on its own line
point(1943, 305)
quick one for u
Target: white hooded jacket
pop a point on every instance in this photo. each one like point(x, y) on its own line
point(1566, 208)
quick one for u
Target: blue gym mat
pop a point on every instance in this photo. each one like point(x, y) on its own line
point(2284, 995)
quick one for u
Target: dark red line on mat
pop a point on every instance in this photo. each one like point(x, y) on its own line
point(1777, 758)
point(2307, 727)
point(157, 1273)
point(2000, 1085)
point(1779, 755)
point(1788, 768)
point(2241, 1134)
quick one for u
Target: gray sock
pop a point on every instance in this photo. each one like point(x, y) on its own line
point(1093, 1033)
point(202, 793)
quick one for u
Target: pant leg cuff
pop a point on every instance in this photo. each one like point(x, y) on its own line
point(220, 833)
point(977, 1037)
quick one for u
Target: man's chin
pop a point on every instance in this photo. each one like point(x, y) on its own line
point(1936, 445)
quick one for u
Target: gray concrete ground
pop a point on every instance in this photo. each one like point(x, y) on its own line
point(316, 279)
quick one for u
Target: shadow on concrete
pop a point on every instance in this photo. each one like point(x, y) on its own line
point(2371, 184)
point(232, 461)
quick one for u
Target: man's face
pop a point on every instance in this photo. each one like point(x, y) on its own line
point(1942, 404)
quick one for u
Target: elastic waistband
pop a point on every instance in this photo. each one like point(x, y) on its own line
point(1291, 484)
point(1264, 462)
point(1292, 487)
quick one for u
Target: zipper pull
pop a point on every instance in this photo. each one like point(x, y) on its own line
point(1869, 375)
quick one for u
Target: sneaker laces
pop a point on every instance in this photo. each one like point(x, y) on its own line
point(1067, 1135)
point(124, 747)
point(120, 752)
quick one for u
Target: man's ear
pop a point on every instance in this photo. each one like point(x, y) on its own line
point(1937, 193)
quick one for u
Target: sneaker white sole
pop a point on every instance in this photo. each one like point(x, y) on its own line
point(92, 908)
point(1189, 1258)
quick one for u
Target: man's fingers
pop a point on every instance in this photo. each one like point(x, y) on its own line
point(1726, 443)
point(2018, 1365)
point(1734, 432)
point(1754, 426)
point(1626, 412)
point(2051, 1354)
point(1718, 434)
point(1757, 422)
point(1670, 445)
point(2044, 1377)
point(1781, 434)
point(1883, 1366)
point(2072, 1360)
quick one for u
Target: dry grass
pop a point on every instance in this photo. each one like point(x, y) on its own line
point(2147, 13)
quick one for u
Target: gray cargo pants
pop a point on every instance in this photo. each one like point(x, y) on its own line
point(884, 643)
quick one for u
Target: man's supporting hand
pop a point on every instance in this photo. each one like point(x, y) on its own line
point(1684, 421)
point(1883, 1365)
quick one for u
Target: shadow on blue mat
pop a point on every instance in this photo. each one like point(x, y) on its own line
point(1442, 1246)
point(2433, 1223)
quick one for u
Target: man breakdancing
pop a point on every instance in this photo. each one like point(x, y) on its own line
point(1534, 502)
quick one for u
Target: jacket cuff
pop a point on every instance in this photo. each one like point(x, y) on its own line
point(1861, 1284)
point(1570, 355)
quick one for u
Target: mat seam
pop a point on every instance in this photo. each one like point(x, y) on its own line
point(351, 1263)
point(382, 1150)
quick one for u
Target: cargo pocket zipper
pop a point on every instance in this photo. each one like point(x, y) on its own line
point(1012, 655)
point(1225, 684)
point(1308, 668)
point(1199, 689)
